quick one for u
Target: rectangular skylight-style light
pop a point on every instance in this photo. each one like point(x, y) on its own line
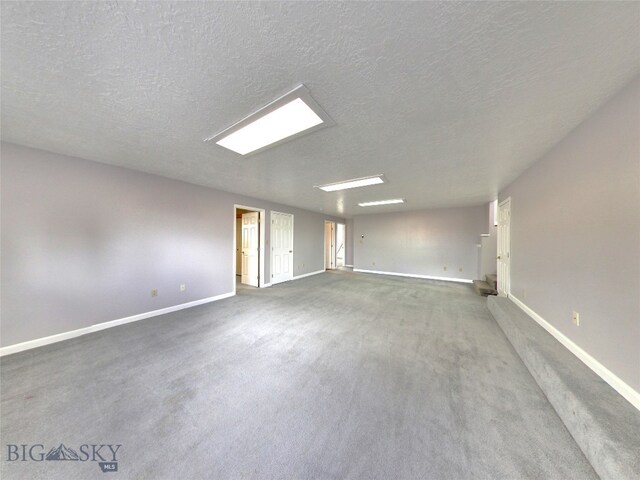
point(354, 183)
point(284, 119)
point(292, 118)
point(381, 202)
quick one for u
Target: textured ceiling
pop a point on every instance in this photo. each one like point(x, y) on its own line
point(451, 101)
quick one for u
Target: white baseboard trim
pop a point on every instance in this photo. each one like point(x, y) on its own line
point(603, 372)
point(307, 274)
point(411, 275)
point(350, 266)
point(59, 337)
point(266, 285)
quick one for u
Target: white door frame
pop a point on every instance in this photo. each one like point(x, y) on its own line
point(332, 249)
point(261, 211)
point(504, 281)
point(293, 218)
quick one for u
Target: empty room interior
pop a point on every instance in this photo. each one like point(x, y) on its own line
point(320, 240)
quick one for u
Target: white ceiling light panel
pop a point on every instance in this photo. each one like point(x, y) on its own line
point(290, 116)
point(353, 183)
point(381, 202)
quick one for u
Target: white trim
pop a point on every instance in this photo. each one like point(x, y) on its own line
point(266, 285)
point(412, 275)
point(59, 337)
point(350, 266)
point(603, 372)
point(307, 274)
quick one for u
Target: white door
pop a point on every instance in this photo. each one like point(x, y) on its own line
point(504, 248)
point(281, 247)
point(250, 248)
point(239, 246)
point(329, 246)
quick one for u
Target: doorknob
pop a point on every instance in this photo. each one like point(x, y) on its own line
point(290, 251)
point(498, 257)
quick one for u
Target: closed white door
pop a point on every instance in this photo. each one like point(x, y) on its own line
point(504, 248)
point(250, 248)
point(281, 247)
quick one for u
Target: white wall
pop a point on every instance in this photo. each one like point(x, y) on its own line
point(575, 235)
point(348, 245)
point(489, 245)
point(421, 242)
point(84, 243)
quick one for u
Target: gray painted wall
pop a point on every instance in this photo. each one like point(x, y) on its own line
point(84, 243)
point(575, 235)
point(489, 246)
point(421, 242)
point(489, 252)
point(349, 241)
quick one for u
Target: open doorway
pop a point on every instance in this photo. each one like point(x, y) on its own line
point(340, 245)
point(248, 241)
point(329, 245)
point(504, 248)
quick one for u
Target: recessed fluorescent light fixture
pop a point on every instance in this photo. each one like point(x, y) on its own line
point(381, 202)
point(290, 116)
point(354, 183)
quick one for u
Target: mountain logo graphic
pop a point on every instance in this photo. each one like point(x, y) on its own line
point(62, 453)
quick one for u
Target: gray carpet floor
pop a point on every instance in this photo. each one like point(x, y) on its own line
point(336, 376)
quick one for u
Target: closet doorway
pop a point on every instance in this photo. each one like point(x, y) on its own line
point(248, 253)
point(329, 245)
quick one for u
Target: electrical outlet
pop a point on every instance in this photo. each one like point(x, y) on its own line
point(183, 287)
point(154, 292)
point(460, 269)
point(576, 319)
point(373, 263)
point(445, 268)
